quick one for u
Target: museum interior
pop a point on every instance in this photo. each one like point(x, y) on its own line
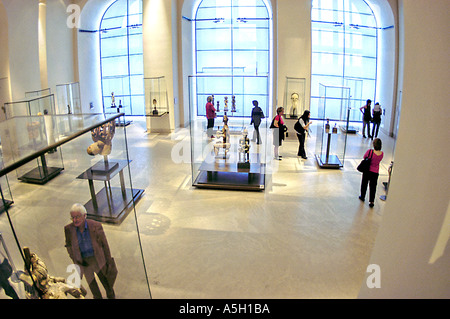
point(108, 103)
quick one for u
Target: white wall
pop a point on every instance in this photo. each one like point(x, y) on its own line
point(60, 60)
point(294, 46)
point(159, 47)
point(23, 46)
point(412, 245)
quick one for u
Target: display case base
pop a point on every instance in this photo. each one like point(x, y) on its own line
point(35, 176)
point(331, 162)
point(123, 123)
point(349, 130)
point(112, 205)
point(230, 180)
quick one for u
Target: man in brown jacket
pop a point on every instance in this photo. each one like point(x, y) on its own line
point(88, 248)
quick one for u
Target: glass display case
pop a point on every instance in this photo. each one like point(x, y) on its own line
point(156, 105)
point(68, 98)
point(330, 140)
point(7, 199)
point(39, 224)
point(156, 101)
point(227, 155)
point(40, 105)
point(119, 99)
point(356, 101)
point(37, 93)
point(294, 97)
point(33, 128)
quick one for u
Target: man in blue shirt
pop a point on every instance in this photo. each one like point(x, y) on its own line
point(87, 247)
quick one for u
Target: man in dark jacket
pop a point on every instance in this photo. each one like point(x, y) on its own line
point(257, 115)
point(88, 248)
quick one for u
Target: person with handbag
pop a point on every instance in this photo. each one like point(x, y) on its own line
point(301, 127)
point(88, 248)
point(370, 176)
point(278, 132)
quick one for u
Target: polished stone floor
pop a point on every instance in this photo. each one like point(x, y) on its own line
point(307, 235)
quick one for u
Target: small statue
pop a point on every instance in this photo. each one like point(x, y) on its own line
point(224, 135)
point(294, 100)
point(49, 287)
point(327, 126)
point(244, 147)
point(102, 137)
point(233, 104)
point(155, 111)
point(113, 100)
point(225, 109)
point(218, 107)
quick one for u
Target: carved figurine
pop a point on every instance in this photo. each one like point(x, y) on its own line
point(49, 287)
point(225, 109)
point(233, 104)
point(102, 137)
point(155, 111)
point(224, 139)
point(294, 104)
point(244, 147)
point(113, 100)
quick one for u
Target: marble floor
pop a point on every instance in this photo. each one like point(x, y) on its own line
point(307, 235)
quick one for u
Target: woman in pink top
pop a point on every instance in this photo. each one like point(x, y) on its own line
point(371, 177)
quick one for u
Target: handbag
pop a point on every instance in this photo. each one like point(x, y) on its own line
point(272, 125)
point(364, 166)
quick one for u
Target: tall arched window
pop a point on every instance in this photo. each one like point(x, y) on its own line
point(121, 54)
point(344, 51)
point(232, 38)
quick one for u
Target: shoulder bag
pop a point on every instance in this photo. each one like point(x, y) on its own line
point(364, 166)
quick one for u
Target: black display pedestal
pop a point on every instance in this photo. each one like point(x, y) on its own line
point(120, 122)
point(41, 174)
point(327, 160)
point(225, 174)
point(110, 204)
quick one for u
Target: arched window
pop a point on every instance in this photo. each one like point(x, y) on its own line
point(232, 38)
point(121, 56)
point(344, 51)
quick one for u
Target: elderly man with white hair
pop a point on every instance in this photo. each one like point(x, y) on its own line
point(88, 248)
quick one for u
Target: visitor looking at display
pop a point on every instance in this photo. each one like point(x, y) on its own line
point(257, 115)
point(302, 128)
point(278, 132)
point(210, 115)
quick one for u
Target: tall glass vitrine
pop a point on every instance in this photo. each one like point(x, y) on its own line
point(68, 98)
point(331, 139)
point(227, 156)
point(36, 222)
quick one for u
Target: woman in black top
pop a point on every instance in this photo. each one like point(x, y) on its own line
point(376, 119)
point(302, 130)
point(367, 117)
point(257, 115)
